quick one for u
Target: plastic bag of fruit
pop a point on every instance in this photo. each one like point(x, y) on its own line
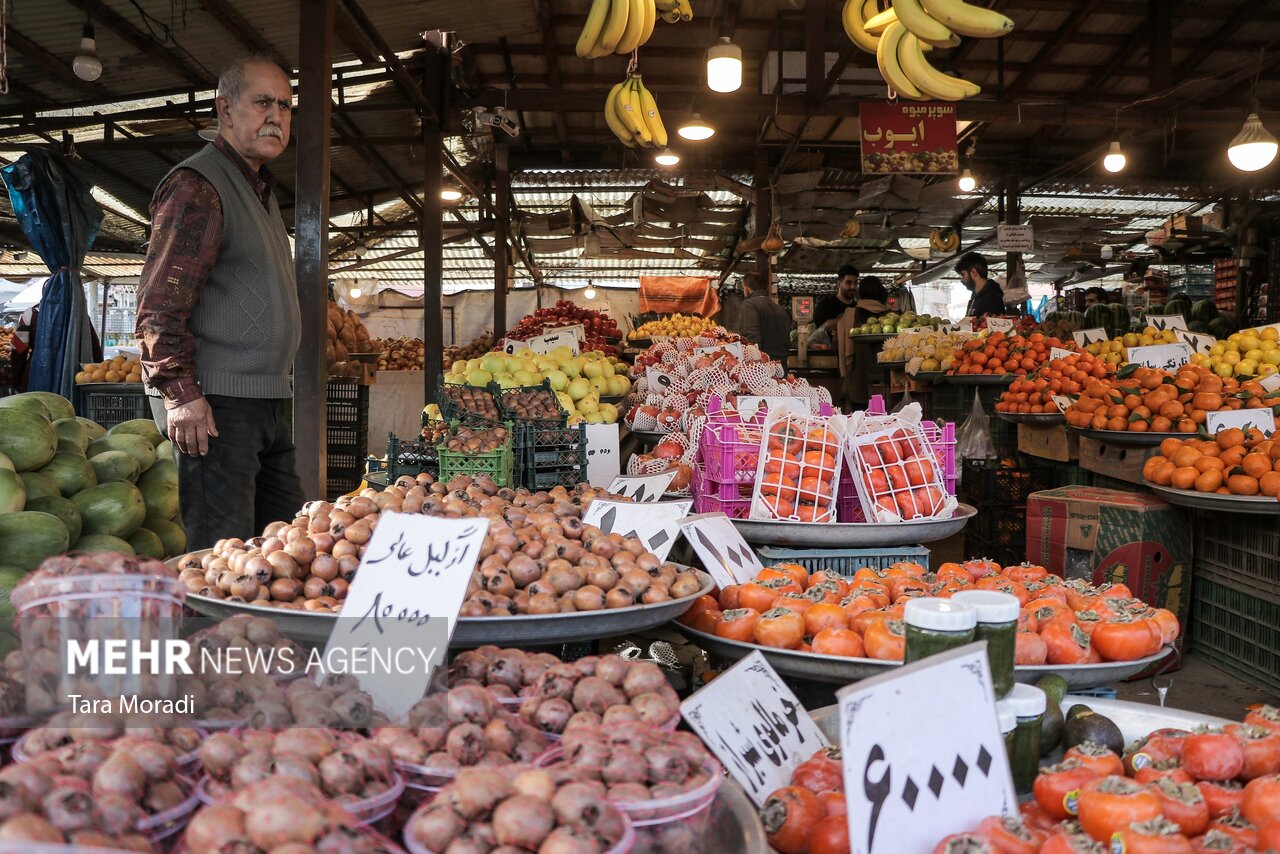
point(896, 473)
point(799, 468)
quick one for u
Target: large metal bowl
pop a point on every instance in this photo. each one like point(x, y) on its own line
point(1124, 437)
point(820, 535)
point(842, 670)
point(981, 379)
point(735, 823)
point(1259, 504)
point(1042, 418)
point(312, 627)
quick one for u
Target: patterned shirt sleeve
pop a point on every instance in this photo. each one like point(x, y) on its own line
point(186, 231)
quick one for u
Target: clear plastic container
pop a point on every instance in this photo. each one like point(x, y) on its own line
point(998, 626)
point(55, 610)
point(188, 763)
point(365, 811)
point(935, 625)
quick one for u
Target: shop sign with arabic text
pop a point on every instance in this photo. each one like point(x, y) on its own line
point(917, 137)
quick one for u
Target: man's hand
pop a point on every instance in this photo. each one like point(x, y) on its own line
point(190, 426)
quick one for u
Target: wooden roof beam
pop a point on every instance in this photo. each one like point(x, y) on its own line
point(399, 74)
point(105, 16)
point(1050, 49)
point(551, 51)
point(349, 34)
point(245, 33)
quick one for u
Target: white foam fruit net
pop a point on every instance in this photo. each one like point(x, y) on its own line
point(750, 353)
point(799, 469)
point(642, 420)
point(687, 345)
point(753, 374)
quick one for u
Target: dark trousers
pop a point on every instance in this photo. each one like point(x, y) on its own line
point(248, 479)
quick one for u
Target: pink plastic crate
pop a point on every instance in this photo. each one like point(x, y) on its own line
point(731, 499)
point(848, 507)
point(730, 452)
point(941, 437)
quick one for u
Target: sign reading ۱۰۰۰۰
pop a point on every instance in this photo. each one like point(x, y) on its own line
point(908, 138)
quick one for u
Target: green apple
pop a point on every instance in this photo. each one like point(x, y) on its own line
point(572, 366)
point(607, 367)
point(578, 388)
point(591, 370)
point(523, 377)
point(589, 404)
point(593, 418)
point(513, 364)
point(508, 381)
point(493, 363)
point(479, 378)
point(600, 385)
point(559, 380)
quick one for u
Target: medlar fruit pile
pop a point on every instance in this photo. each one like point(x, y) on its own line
point(537, 403)
point(515, 808)
point(600, 689)
point(433, 432)
point(505, 672)
point(347, 767)
point(477, 401)
point(67, 728)
point(476, 440)
point(280, 813)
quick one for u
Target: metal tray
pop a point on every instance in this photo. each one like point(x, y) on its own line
point(1124, 437)
point(980, 379)
point(1042, 418)
point(872, 338)
point(891, 366)
point(1257, 504)
point(852, 534)
point(842, 670)
point(928, 376)
point(651, 436)
point(314, 628)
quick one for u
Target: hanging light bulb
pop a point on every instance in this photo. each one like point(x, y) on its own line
point(666, 157)
point(356, 293)
point(590, 292)
point(450, 192)
point(724, 66)
point(1115, 159)
point(1107, 252)
point(86, 65)
point(359, 250)
point(967, 182)
point(1254, 146)
point(696, 129)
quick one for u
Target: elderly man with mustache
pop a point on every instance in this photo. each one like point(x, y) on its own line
point(218, 316)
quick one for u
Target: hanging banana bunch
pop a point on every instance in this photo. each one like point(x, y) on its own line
point(617, 26)
point(901, 35)
point(632, 115)
point(944, 240)
point(675, 11)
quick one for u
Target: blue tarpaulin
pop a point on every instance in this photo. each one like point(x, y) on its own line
point(50, 196)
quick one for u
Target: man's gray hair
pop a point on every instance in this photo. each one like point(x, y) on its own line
point(231, 82)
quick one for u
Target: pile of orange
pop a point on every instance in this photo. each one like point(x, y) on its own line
point(1062, 622)
point(1148, 400)
point(999, 354)
point(1231, 463)
point(1067, 376)
point(800, 471)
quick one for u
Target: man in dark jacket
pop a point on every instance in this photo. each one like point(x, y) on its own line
point(987, 297)
point(764, 322)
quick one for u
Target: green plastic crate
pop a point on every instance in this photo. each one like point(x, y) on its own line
point(1236, 630)
point(844, 561)
point(498, 465)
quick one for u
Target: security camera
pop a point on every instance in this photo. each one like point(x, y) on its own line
point(498, 118)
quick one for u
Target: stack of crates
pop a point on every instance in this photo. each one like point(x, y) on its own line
point(999, 531)
point(497, 464)
point(347, 434)
point(1235, 605)
point(547, 452)
point(954, 402)
point(110, 404)
point(411, 458)
point(728, 456)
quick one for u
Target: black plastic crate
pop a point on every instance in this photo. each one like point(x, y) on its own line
point(509, 414)
point(1057, 473)
point(989, 486)
point(1005, 527)
point(345, 472)
point(410, 458)
point(1241, 551)
point(1236, 629)
point(1002, 553)
point(450, 409)
point(110, 404)
point(347, 437)
point(346, 402)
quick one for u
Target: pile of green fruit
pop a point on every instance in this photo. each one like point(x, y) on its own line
point(67, 484)
point(892, 323)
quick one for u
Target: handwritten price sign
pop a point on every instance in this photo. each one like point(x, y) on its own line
point(999, 324)
point(725, 555)
point(1059, 353)
point(733, 348)
point(656, 525)
point(1062, 402)
point(403, 605)
point(1161, 322)
point(1197, 342)
point(747, 404)
point(754, 725)
point(544, 344)
point(643, 487)
point(1085, 337)
point(659, 381)
point(907, 783)
point(1259, 419)
point(1168, 357)
point(512, 347)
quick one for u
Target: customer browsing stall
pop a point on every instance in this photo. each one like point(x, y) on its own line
point(827, 314)
point(871, 303)
point(764, 322)
point(218, 316)
point(987, 297)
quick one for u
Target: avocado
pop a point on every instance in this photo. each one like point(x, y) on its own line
point(1078, 709)
point(1054, 687)
point(1091, 726)
point(1050, 726)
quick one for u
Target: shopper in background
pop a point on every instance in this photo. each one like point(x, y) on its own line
point(988, 298)
point(1095, 296)
point(764, 322)
point(832, 307)
point(218, 316)
point(871, 303)
point(873, 300)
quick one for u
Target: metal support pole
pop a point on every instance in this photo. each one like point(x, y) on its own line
point(501, 251)
point(435, 81)
point(311, 239)
point(763, 214)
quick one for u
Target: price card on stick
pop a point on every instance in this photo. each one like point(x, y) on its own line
point(1062, 402)
point(1270, 383)
point(1260, 419)
point(1167, 357)
point(966, 324)
point(754, 725)
point(656, 525)
point(1161, 322)
point(512, 347)
point(577, 330)
point(908, 782)
point(604, 461)
point(643, 487)
point(402, 607)
point(1059, 353)
point(658, 380)
point(1198, 342)
point(544, 344)
point(725, 555)
point(1000, 324)
point(1085, 337)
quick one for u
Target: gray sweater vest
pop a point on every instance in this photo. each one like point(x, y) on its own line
point(246, 321)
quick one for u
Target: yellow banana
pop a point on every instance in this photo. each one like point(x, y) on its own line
point(652, 118)
point(928, 79)
point(918, 22)
point(650, 18)
point(878, 24)
point(671, 17)
point(629, 102)
point(685, 10)
point(666, 5)
point(870, 8)
point(968, 20)
point(615, 26)
point(852, 18)
point(611, 116)
point(887, 60)
point(635, 26)
point(592, 28)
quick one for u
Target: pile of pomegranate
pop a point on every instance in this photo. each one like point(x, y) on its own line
point(600, 331)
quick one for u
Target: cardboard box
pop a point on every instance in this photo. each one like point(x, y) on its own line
point(1122, 462)
point(1053, 442)
point(1104, 535)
